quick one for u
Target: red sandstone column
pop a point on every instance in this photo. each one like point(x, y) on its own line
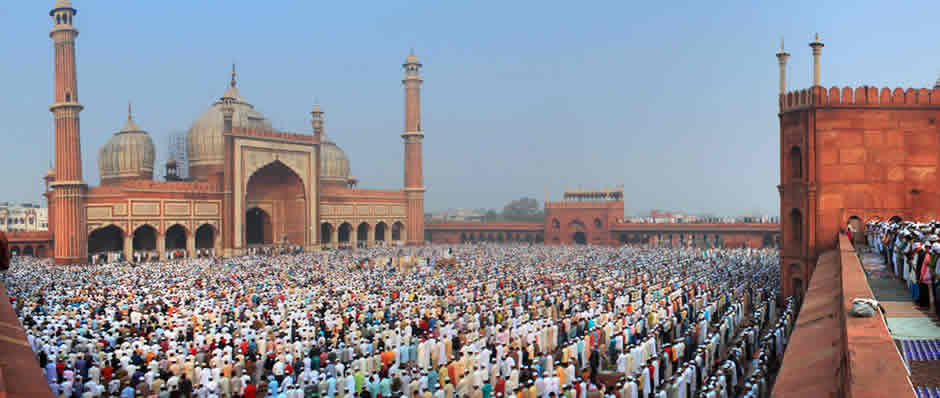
point(69, 230)
point(50, 212)
point(317, 122)
point(412, 136)
point(229, 229)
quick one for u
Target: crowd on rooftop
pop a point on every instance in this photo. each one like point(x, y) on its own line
point(911, 249)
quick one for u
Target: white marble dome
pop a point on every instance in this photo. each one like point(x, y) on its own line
point(334, 165)
point(204, 144)
point(129, 154)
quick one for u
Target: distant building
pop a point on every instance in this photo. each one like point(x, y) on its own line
point(596, 217)
point(27, 217)
point(458, 215)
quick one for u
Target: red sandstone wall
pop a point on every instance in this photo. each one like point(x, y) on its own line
point(865, 152)
point(594, 218)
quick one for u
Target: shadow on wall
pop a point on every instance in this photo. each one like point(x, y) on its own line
point(4, 252)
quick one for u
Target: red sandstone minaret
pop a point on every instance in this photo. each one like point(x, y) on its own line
point(414, 182)
point(70, 235)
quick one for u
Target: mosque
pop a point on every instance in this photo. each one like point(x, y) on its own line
point(250, 185)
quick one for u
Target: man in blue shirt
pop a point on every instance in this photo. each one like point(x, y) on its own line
point(127, 392)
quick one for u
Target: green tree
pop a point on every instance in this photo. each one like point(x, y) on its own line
point(525, 209)
point(491, 215)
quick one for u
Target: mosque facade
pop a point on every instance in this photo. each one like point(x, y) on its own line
point(250, 185)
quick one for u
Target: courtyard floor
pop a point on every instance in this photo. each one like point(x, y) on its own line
point(916, 331)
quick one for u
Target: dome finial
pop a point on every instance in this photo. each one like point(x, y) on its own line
point(129, 117)
point(233, 74)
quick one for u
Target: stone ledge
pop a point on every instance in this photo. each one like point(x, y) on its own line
point(17, 361)
point(832, 354)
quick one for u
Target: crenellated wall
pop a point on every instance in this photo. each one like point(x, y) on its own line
point(866, 152)
point(870, 96)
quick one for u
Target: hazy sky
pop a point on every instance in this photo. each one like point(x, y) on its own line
point(678, 102)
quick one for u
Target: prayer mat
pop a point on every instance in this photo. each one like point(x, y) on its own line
point(921, 350)
point(927, 392)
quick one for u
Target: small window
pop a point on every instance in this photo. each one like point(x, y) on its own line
point(68, 97)
point(796, 163)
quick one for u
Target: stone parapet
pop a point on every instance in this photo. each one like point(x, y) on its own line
point(20, 374)
point(861, 96)
point(831, 354)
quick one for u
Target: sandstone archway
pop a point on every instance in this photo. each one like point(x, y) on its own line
point(205, 237)
point(175, 238)
point(380, 229)
point(278, 191)
point(258, 228)
point(326, 232)
point(145, 238)
point(106, 239)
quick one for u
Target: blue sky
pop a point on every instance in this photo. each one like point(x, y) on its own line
point(677, 101)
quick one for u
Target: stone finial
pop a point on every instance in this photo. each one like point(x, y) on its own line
point(233, 74)
point(817, 51)
point(782, 61)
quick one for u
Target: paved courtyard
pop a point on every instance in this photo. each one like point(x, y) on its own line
point(916, 331)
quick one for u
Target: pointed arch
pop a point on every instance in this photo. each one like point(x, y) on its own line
point(362, 232)
point(380, 231)
point(145, 238)
point(577, 224)
point(205, 236)
point(326, 232)
point(258, 228)
point(796, 162)
point(175, 237)
point(278, 189)
point(398, 229)
point(109, 238)
point(345, 232)
point(796, 228)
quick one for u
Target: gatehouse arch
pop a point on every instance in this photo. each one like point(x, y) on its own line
point(279, 192)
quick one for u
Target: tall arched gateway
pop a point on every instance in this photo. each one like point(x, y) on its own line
point(277, 206)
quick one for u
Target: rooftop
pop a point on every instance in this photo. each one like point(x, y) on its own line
point(832, 354)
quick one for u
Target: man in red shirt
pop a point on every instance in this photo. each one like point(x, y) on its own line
point(250, 391)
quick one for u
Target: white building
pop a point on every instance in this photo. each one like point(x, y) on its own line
point(23, 218)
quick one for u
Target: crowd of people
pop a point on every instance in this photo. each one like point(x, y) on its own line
point(466, 321)
point(911, 249)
